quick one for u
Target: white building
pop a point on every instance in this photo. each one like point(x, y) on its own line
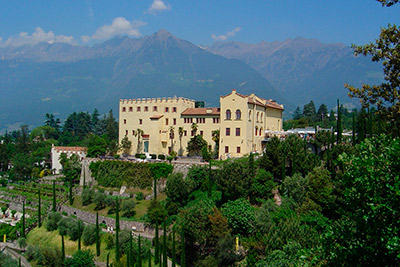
point(56, 151)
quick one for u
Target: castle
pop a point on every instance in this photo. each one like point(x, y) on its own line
point(166, 124)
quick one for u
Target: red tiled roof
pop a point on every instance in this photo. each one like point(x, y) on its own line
point(268, 103)
point(156, 117)
point(201, 111)
point(70, 148)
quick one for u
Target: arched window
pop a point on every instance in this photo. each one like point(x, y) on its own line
point(258, 114)
point(256, 130)
point(261, 117)
point(260, 133)
point(238, 114)
point(228, 114)
point(249, 115)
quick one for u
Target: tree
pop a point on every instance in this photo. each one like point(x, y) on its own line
point(23, 219)
point(297, 114)
point(117, 248)
point(322, 112)
point(128, 208)
point(139, 133)
point(165, 261)
point(176, 188)
point(171, 131)
point(368, 233)
point(215, 137)
point(89, 235)
point(339, 124)
point(388, 3)
point(309, 111)
point(233, 181)
point(126, 146)
point(81, 258)
point(385, 96)
point(39, 210)
point(240, 215)
point(97, 235)
point(194, 128)
point(180, 133)
point(54, 209)
point(196, 144)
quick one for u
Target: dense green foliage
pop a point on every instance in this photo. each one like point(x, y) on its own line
point(118, 173)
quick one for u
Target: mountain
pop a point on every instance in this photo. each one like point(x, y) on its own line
point(305, 69)
point(61, 78)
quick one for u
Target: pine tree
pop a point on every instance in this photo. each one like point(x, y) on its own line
point(183, 248)
point(173, 249)
point(117, 250)
point(139, 263)
point(165, 246)
point(156, 244)
point(54, 196)
point(23, 219)
point(39, 211)
point(62, 248)
point(97, 235)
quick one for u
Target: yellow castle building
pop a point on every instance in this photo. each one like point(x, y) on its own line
point(161, 125)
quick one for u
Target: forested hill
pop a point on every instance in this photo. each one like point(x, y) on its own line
point(60, 78)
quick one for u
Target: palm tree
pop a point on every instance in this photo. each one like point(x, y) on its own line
point(194, 128)
point(139, 133)
point(215, 138)
point(180, 132)
point(172, 136)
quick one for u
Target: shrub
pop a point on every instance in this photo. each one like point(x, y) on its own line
point(161, 156)
point(108, 240)
point(128, 208)
point(240, 215)
point(52, 221)
point(81, 258)
point(99, 200)
point(153, 156)
point(73, 229)
point(139, 196)
point(89, 235)
point(87, 196)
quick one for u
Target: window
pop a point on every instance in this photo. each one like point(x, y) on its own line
point(126, 132)
point(155, 108)
point(228, 114)
point(249, 115)
point(257, 115)
point(197, 120)
point(256, 130)
point(124, 121)
point(226, 149)
point(201, 133)
point(192, 133)
point(123, 109)
point(166, 121)
point(140, 121)
point(138, 109)
point(146, 108)
point(261, 117)
point(185, 133)
point(130, 109)
point(228, 131)
point(238, 149)
point(166, 109)
point(174, 109)
point(238, 114)
point(260, 131)
point(133, 132)
point(237, 131)
point(174, 121)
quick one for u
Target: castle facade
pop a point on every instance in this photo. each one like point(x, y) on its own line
point(161, 125)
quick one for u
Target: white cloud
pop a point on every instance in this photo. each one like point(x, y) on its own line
point(119, 26)
point(223, 37)
point(36, 37)
point(157, 6)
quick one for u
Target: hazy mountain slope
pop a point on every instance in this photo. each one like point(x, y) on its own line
point(62, 79)
point(303, 69)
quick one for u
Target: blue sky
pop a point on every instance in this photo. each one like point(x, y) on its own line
point(199, 21)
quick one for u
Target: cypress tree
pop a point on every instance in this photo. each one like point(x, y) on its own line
point(150, 257)
point(84, 179)
point(209, 179)
point(165, 246)
point(173, 248)
point(54, 196)
point(139, 263)
point(155, 188)
point(108, 259)
point(339, 124)
point(354, 130)
point(19, 262)
point(156, 245)
point(370, 118)
point(183, 247)
point(97, 235)
point(160, 257)
point(62, 248)
point(79, 235)
point(117, 253)
point(129, 255)
point(39, 211)
point(23, 219)
point(251, 166)
point(71, 201)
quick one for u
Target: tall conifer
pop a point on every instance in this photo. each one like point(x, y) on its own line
point(23, 219)
point(173, 248)
point(139, 261)
point(62, 248)
point(183, 247)
point(117, 250)
point(339, 123)
point(165, 246)
point(97, 235)
point(39, 211)
point(156, 244)
point(54, 196)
